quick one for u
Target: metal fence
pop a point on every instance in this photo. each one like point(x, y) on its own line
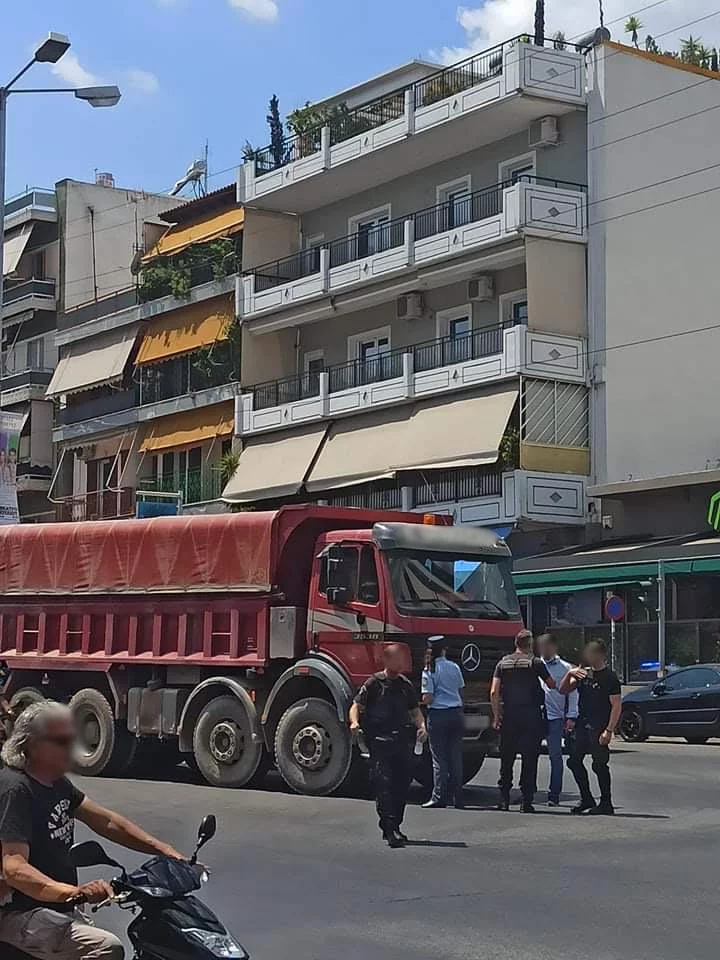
point(465, 483)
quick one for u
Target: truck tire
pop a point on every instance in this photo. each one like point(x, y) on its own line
point(313, 749)
point(104, 746)
point(24, 697)
point(223, 746)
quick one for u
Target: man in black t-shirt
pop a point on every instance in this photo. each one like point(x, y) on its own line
point(517, 698)
point(38, 809)
point(387, 711)
point(599, 709)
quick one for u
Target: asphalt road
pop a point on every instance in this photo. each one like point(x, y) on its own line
point(310, 879)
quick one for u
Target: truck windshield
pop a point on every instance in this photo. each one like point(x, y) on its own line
point(427, 584)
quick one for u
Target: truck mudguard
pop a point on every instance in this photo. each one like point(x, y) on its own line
point(320, 668)
point(202, 695)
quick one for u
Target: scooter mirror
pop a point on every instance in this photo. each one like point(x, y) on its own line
point(207, 830)
point(90, 854)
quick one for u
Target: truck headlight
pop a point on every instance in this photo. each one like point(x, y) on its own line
point(219, 944)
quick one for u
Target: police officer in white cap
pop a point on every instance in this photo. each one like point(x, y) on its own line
point(442, 682)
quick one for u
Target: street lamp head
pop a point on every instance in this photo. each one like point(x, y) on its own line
point(99, 96)
point(52, 48)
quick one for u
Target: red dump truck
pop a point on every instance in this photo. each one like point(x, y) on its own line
point(237, 641)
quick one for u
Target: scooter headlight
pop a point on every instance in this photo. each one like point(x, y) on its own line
point(218, 944)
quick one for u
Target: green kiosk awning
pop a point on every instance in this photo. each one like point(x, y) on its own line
point(567, 580)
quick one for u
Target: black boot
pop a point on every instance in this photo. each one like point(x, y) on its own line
point(585, 806)
point(393, 839)
point(603, 809)
point(527, 807)
point(504, 801)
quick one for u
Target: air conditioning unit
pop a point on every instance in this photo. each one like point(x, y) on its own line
point(543, 132)
point(410, 307)
point(481, 289)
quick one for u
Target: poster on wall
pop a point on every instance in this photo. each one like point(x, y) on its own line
point(11, 425)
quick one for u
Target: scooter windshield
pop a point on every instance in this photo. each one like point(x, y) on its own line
point(164, 878)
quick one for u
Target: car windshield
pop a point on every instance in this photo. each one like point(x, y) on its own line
point(426, 584)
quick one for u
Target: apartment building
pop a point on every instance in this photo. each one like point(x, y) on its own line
point(148, 373)
point(31, 271)
point(413, 313)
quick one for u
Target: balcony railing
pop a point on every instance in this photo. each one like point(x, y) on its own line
point(31, 198)
point(427, 355)
point(466, 483)
point(100, 505)
point(26, 378)
point(182, 375)
point(429, 222)
point(97, 407)
point(196, 486)
point(18, 290)
point(345, 124)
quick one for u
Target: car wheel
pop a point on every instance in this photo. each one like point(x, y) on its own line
point(632, 727)
point(697, 740)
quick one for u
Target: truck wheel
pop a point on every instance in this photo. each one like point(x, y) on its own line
point(225, 751)
point(24, 697)
point(471, 765)
point(313, 749)
point(103, 746)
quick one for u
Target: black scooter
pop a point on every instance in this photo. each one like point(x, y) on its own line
point(171, 923)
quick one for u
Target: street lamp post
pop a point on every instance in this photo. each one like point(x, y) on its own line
point(49, 51)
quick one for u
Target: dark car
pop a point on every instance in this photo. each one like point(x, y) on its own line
point(685, 704)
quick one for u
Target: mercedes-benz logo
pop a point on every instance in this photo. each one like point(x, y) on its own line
point(471, 657)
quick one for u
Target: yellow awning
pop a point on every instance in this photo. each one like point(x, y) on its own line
point(193, 426)
point(186, 329)
point(180, 236)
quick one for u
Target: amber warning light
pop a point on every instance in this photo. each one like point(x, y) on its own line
point(436, 520)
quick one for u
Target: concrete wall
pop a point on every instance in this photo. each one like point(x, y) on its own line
point(268, 236)
point(556, 286)
point(415, 192)
point(653, 267)
point(118, 229)
point(41, 420)
point(272, 356)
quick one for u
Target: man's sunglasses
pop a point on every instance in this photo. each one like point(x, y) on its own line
point(66, 741)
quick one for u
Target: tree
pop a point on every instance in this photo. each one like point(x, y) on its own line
point(714, 60)
point(632, 25)
point(704, 55)
point(559, 41)
point(277, 135)
point(539, 23)
point(690, 50)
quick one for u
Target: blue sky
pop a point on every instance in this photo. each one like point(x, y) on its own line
point(197, 69)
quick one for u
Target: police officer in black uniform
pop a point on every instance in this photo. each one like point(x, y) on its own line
point(387, 711)
point(517, 700)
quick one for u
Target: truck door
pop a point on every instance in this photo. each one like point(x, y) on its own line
point(347, 616)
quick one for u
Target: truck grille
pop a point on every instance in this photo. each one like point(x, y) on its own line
point(477, 681)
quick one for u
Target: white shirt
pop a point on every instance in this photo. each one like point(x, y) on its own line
point(559, 706)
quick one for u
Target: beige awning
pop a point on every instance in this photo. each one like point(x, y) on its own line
point(437, 435)
point(14, 247)
point(274, 466)
point(93, 362)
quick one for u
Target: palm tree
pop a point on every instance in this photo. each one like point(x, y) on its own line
point(539, 23)
point(690, 50)
point(632, 25)
point(559, 42)
point(704, 54)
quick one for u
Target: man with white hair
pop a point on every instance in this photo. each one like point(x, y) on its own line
point(38, 809)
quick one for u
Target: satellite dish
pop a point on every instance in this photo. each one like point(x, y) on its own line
point(195, 173)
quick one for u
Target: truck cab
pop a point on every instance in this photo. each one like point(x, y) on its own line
point(404, 582)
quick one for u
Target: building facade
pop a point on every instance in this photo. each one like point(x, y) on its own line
point(413, 298)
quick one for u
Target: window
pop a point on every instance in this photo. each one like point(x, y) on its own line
point(368, 586)
point(357, 572)
point(514, 308)
point(517, 168)
point(370, 345)
point(373, 232)
point(460, 327)
point(315, 241)
point(455, 203)
point(37, 264)
point(36, 354)
point(692, 679)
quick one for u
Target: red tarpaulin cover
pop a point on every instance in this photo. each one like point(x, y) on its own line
point(232, 551)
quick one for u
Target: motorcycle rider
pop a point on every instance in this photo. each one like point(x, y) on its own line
point(38, 807)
